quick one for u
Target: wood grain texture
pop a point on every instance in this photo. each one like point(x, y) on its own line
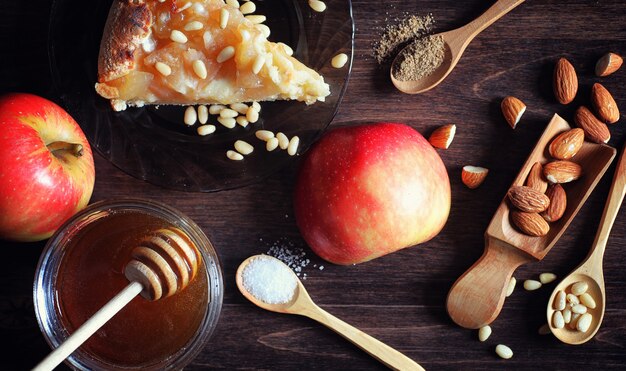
point(399, 298)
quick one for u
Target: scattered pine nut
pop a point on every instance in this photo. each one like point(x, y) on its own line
point(545, 329)
point(163, 68)
point(557, 319)
point(292, 148)
point(224, 18)
point(252, 115)
point(484, 333)
point(272, 144)
point(256, 106)
point(216, 108)
point(258, 63)
point(226, 54)
point(587, 300)
point(283, 141)
point(574, 321)
point(203, 114)
point(193, 26)
point(317, 5)
point(234, 155)
point(247, 8)
point(503, 351)
point(243, 147)
point(227, 112)
point(286, 48)
point(547, 277)
point(256, 18)
point(264, 135)
point(233, 3)
point(579, 309)
point(572, 299)
point(206, 129)
point(190, 116)
point(241, 121)
point(584, 322)
point(200, 69)
point(579, 288)
point(178, 37)
point(511, 286)
point(339, 60)
point(228, 122)
point(264, 30)
point(531, 285)
point(242, 108)
point(567, 315)
point(559, 300)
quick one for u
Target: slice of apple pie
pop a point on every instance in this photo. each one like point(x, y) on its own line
point(196, 52)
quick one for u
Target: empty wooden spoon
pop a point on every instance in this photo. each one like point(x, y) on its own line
point(590, 270)
point(164, 263)
point(476, 298)
point(302, 304)
point(455, 42)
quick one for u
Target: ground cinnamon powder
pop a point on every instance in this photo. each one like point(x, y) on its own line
point(395, 36)
point(421, 58)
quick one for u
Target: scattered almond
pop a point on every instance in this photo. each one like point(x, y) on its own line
point(565, 145)
point(442, 136)
point(512, 109)
point(528, 199)
point(535, 178)
point(595, 130)
point(565, 81)
point(558, 203)
point(609, 63)
point(562, 171)
point(604, 104)
point(473, 176)
point(531, 224)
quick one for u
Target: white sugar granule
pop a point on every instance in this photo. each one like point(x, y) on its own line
point(269, 280)
point(293, 256)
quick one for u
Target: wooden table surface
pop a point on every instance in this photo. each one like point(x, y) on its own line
point(399, 298)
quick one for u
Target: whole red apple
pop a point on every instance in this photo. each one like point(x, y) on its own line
point(46, 167)
point(369, 190)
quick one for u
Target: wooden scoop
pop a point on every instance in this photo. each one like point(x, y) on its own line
point(476, 298)
point(302, 304)
point(163, 264)
point(590, 270)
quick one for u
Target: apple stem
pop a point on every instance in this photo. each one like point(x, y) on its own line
point(73, 148)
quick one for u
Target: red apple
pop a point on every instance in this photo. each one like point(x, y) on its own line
point(369, 190)
point(46, 167)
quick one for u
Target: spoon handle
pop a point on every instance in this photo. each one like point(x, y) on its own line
point(377, 349)
point(495, 12)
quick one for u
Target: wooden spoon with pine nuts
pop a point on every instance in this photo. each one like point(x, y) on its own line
point(586, 282)
point(163, 264)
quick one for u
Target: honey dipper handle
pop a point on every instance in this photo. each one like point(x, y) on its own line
point(90, 326)
point(377, 349)
point(476, 298)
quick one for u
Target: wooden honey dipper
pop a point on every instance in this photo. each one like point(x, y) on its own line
point(163, 264)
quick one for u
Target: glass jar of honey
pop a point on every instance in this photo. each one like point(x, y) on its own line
point(82, 268)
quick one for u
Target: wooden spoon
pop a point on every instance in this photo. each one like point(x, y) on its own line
point(302, 304)
point(455, 42)
point(476, 298)
point(590, 270)
point(164, 263)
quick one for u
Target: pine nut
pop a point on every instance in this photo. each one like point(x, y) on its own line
point(256, 18)
point(200, 69)
point(567, 315)
point(503, 351)
point(339, 60)
point(264, 135)
point(178, 37)
point(584, 322)
point(317, 5)
point(190, 116)
point(247, 8)
point(203, 114)
point(292, 148)
point(242, 108)
point(265, 30)
point(511, 286)
point(224, 18)
point(557, 319)
point(206, 129)
point(283, 141)
point(228, 122)
point(252, 115)
point(184, 7)
point(243, 147)
point(587, 300)
point(163, 68)
point(256, 106)
point(241, 121)
point(234, 155)
point(193, 26)
point(559, 300)
point(215, 109)
point(286, 48)
point(484, 333)
point(245, 35)
point(545, 329)
point(531, 285)
point(547, 277)
point(226, 54)
point(574, 321)
point(227, 112)
point(579, 288)
point(233, 3)
point(259, 61)
point(572, 299)
point(271, 144)
point(579, 308)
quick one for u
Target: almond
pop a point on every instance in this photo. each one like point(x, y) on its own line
point(528, 199)
point(531, 224)
point(535, 178)
point(473, 176)
point(595, 130)
point(512, 109)
point(562, 171)
point(558, 203)
point(609, 63)
point(442, 136)
point(565, 145)
point(604, 104)
point(565, 81)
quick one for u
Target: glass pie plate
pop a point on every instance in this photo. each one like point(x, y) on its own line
point(153, 144)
